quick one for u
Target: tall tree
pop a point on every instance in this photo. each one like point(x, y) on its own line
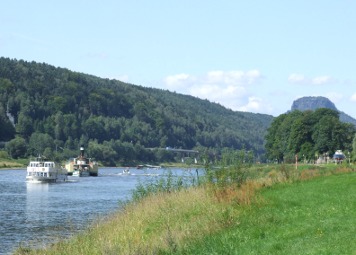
point(308, 134)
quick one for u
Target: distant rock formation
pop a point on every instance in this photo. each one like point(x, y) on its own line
point(313, 103)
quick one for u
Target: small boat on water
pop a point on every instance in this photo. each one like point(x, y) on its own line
point(43, 171)
point(82, 166)
point(126, 171)
point(148, 166)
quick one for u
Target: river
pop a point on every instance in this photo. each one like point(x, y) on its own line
point(33, 214)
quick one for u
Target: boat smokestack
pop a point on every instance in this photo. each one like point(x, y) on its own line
point(81, 151)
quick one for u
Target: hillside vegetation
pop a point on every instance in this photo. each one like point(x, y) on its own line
point(56, 110)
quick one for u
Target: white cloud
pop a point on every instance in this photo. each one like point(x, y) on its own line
point(302, 79)
point(234, 77)
point(217, 93)
point(254, 104)
point(296, 78)
point(228, 88)
point(321, 80)
point(178, 81)
point(353, 98)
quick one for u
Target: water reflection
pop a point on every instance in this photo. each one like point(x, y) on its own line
point(37, 206)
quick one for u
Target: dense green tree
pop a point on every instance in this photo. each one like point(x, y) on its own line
point(17, 147)
point(275, 139)
point(7, 130)
point(354, 148)
point(322, 135)
point(39, 143)
point(24, 126)
point(59, 126)
point(308, 134)
point(301, 131)
point(94, 129)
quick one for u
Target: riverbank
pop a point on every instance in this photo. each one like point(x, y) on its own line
point(22, 163)
point(281, 210)
point(12, 164)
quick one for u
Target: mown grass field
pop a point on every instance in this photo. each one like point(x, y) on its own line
point(310, 217)
point(278, 211)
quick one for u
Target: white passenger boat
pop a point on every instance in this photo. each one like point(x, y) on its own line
point(40, 170)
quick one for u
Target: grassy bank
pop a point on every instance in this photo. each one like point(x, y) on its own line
point(272, 210)
point(310, 217)
point(11, 163)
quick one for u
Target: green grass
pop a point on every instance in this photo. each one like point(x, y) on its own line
point(11, 163)
point(274, 209)
point(310, 217)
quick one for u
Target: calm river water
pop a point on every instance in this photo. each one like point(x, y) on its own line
point(37, 214)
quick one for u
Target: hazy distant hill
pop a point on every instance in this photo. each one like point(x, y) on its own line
point(62, 109)
point(313, 103)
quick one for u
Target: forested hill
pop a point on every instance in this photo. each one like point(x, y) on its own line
point(57, 108)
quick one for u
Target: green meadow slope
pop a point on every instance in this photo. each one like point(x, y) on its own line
point(311, 217)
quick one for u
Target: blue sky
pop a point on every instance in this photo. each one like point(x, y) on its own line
point(256, 56)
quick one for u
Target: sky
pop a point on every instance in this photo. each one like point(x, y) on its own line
point(256, 56)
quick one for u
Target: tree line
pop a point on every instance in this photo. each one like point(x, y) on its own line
point(308, 134)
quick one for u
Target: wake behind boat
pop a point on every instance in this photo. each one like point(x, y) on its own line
point(41, 171)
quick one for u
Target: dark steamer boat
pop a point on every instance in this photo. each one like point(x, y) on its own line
point(82, 166)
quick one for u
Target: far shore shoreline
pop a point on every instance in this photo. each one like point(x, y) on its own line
point(13, 168)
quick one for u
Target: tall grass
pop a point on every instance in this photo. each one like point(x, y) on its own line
point(169, 183)
point(176, 215)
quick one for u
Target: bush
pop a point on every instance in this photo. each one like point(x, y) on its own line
point(4, 154)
